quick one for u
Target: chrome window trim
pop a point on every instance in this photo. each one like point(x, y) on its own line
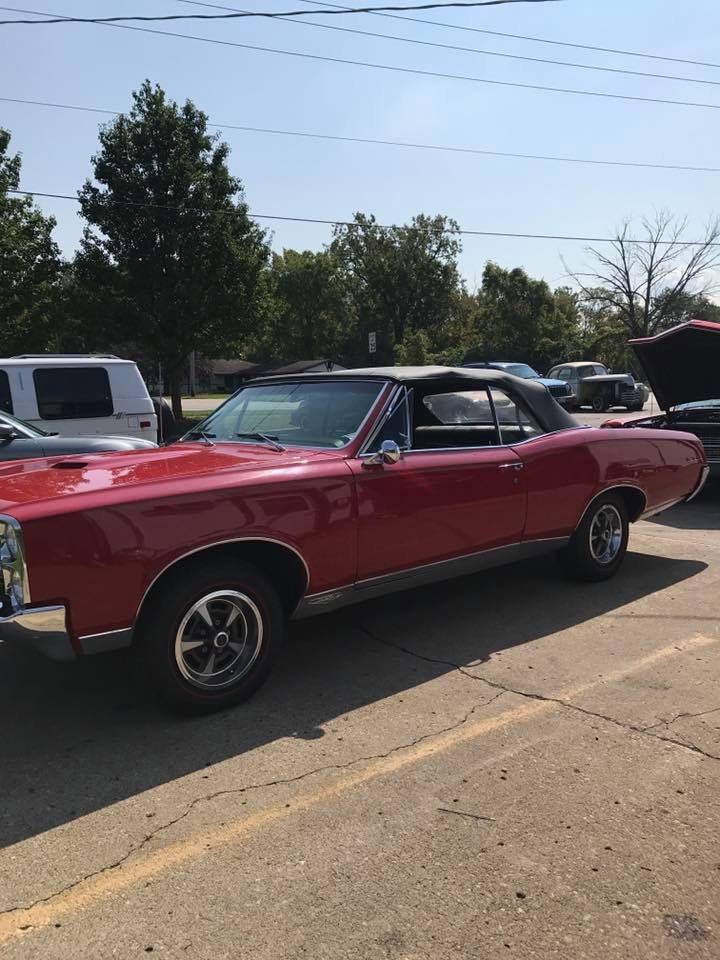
point(387, 411)
point(498, 446)
point(287, 444)
point(221, 543)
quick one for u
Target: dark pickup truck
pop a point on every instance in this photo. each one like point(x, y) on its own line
point(595, 387)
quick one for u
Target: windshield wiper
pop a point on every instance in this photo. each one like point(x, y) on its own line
point(266, 438)
point(200, 434)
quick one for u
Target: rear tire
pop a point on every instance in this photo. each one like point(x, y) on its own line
point(600, 403)
point(598, 546)
point(210, 634)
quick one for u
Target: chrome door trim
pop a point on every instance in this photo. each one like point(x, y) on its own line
point(411, 577)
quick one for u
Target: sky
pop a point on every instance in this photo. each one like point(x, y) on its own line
point(96, 66)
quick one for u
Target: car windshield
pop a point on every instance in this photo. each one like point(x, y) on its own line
point(322, 413)
point(522, 370)
point(25, 428)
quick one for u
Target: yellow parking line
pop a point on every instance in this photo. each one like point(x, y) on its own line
point(134, 871)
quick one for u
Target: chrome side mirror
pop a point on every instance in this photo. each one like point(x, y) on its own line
point(389, 453)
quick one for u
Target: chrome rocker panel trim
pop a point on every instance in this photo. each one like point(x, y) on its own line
point(44, 628)
point(328, 600)
point(105, 642)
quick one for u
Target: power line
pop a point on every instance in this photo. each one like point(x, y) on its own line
point(413, 71)
point(354, 224)
point(474, 151)
point(522, 36)
point(141, 18)
point(460, 49)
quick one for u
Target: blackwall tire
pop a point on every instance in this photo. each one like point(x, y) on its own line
point(598, 546)
point(209, 636)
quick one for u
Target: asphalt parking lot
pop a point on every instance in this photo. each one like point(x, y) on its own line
point(510, 764)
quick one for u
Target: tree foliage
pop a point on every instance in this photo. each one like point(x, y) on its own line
point(400, 279)
point(170, 258)
point(30, 268)
point(308, 314)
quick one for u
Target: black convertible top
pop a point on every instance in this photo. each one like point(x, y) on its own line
point(550, 414)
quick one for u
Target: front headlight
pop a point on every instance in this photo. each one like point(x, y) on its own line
point(13, 577)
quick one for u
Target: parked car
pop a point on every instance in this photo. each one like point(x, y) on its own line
point(22, 441)
point(594, 386)
point(302, 494)
point(560, 390)
point(78, 396)
point(683, 368)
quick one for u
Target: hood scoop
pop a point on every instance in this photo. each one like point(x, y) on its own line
point(70, 465)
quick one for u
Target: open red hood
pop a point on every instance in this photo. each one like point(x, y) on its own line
point(682, 364)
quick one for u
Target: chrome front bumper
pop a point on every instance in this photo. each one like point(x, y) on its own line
point(44, 628)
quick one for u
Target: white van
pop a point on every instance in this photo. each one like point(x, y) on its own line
point(78, 395)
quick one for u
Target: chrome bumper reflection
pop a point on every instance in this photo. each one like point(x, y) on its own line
point(704, 474)
point(44, 628)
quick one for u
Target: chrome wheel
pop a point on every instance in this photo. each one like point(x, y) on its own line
point(606, 534)
point(219, 639)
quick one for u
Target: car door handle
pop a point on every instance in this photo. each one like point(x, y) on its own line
point(517, 465)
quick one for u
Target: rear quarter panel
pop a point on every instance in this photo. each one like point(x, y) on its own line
point(100, 561)
point(566, 470)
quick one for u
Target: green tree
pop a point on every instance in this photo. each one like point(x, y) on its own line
point(30, 267)
point(519, 318)
point(170, 258)
point(401, 279)
point(309, 314)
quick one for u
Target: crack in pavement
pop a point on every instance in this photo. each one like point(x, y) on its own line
point(532, 695)
point(681, 716)
point(138, 847)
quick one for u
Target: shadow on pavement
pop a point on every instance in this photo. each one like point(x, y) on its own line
point(77, 737)
point(702, 514)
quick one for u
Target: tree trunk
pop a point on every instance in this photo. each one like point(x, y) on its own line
point(176, 393)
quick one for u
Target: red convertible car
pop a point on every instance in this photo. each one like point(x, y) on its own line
point(302, 494)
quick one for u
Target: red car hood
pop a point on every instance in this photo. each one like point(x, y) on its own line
point(683, 363)
point(31, 481)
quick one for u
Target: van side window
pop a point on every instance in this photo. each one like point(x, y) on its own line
point(73, 393)
point(5, 395)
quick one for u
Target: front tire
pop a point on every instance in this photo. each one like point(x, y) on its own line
point(598, 546)
point(209, 636)
point(600, 403)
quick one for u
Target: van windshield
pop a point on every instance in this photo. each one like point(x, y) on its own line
point(323, 413)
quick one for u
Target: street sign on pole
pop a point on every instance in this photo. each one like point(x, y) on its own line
point(372, 342)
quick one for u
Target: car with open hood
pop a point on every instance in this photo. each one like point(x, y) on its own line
point(595, 386)
point(301, 494)
point(682, 366)
point(559, 390)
